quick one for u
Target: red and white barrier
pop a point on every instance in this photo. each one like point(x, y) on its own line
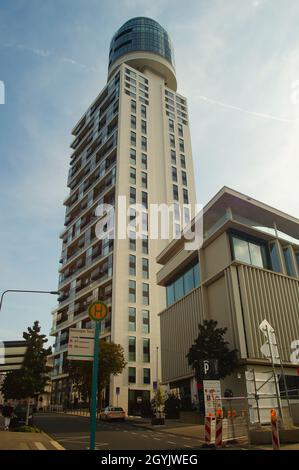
point(218, 432)
point(208, 429)
point(275, 433)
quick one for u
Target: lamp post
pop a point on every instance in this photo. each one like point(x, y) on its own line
point(28, 291)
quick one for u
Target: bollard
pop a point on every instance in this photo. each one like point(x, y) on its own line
point(274, 428)
point(218, 432)
point(208, 429)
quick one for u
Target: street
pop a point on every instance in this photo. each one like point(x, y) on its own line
point(72, 432)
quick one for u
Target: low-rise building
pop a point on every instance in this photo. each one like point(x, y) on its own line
point(246, 270)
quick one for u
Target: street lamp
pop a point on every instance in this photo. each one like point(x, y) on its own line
point(28, 291)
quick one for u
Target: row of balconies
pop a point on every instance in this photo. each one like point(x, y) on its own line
point(97, 183)
point(95, 133)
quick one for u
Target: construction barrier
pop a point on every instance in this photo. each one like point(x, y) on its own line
point(275, 433)
point(218, 432)
point(208, 429)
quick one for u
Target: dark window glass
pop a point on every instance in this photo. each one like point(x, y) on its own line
point(145, 294)
point(132, 241)
point(145, 321)
point(275, 258)
point(175, 192)
point(133, 121)
point(174, 174)
point(145, 246)
point(288, 261)
point(132, 348)
point(133, 138)
point(143, 126)
point(133, 156)
point(132, 291)
point(132, 265)
point(183, 160)
point(184, 178)
point(132, 195)
point(173, 157)
point(132, 319)
point(143, 143)
point(133, 175)
point(144, 161)
point(144, 199)
point(180, 130)
point(182, 147)
point(183, 284)
point(146, 350)
point(143, 111)
point(146, 376)
point(132, 375)
point(145, 268)
point(171, 125)
point(172, 141)
point(185, 196)
point(248, 251)
point(144, 179)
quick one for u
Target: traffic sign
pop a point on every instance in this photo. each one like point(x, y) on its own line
point(81, 344)
point(97, 311)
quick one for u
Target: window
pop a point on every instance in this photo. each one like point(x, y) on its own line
point(145, 246)
point(132, 319)
point(143, 111)
point(132, 291)
point(133, 121)
point(184, 178)
point(180, 130)
point(183, 160)
point(144, 161)
point(172, 141)
point(143, 126)
point(133, 138)
point(144, 199)
point(187, 217)
point(143, 94)
point(143, 143)
point(171, 125)
point(145, 321)
point(144, 222)
point(181, 144)
point(130, 72)
point(146, 376)
point(132, 175)
point(174, 174)
point(143, 79)
point(144, 179)
point(297, 259)
point(133, 156)
point(179, 287)
point(177, 212)
point(249, 251)
point(145, 268)
point(132, 375)
point(132, 195)
point(132, 265)
point(185, 196)
point(132, 241)
point(287, 253)
point(175, 192)
point(132, 348)
point(143, 87)
point(275, 258)
point(146, 350)
point(145, 294)
point(173, 157)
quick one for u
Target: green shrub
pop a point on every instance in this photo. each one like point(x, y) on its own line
point(26, 429)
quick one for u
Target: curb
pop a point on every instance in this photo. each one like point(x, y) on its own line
point(53, 442)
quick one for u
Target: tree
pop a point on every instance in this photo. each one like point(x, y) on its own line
point(210, 344)
point(32, 378)
point(111, 362)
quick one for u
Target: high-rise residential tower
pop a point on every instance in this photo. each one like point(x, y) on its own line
point(133, 141)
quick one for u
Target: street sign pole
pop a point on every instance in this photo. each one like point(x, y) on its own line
point(97, 311)
point(94, 387)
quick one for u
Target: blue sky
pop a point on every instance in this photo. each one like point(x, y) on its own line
point(237, 62)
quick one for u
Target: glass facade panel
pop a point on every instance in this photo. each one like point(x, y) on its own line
point(256, 255)
point(275, 258)
point(241, 250)
point(186, 281)
point(132, 348)
point(132, 375)
point(288, 261)
point(132, 319)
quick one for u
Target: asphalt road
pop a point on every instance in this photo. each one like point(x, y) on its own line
point(72, 432)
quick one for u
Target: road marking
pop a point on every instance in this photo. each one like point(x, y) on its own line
point(157, 439)
point(133, 432)
point(171, 442)
point(40, 446)
point(187, 446)
point(144, 435)
point(101, 444)
point(125, 430)
point(24, 446)
point(57, 445)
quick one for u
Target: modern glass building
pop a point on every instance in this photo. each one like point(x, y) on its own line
point(132, 141)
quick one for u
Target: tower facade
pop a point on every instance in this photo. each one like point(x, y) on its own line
point(133, 145)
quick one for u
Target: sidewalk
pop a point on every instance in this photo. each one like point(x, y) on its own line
point(10, 440)
point(27, 441)
point(172, 426)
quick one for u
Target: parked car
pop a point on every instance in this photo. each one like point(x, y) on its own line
point(111, 412)
point(19, 416)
